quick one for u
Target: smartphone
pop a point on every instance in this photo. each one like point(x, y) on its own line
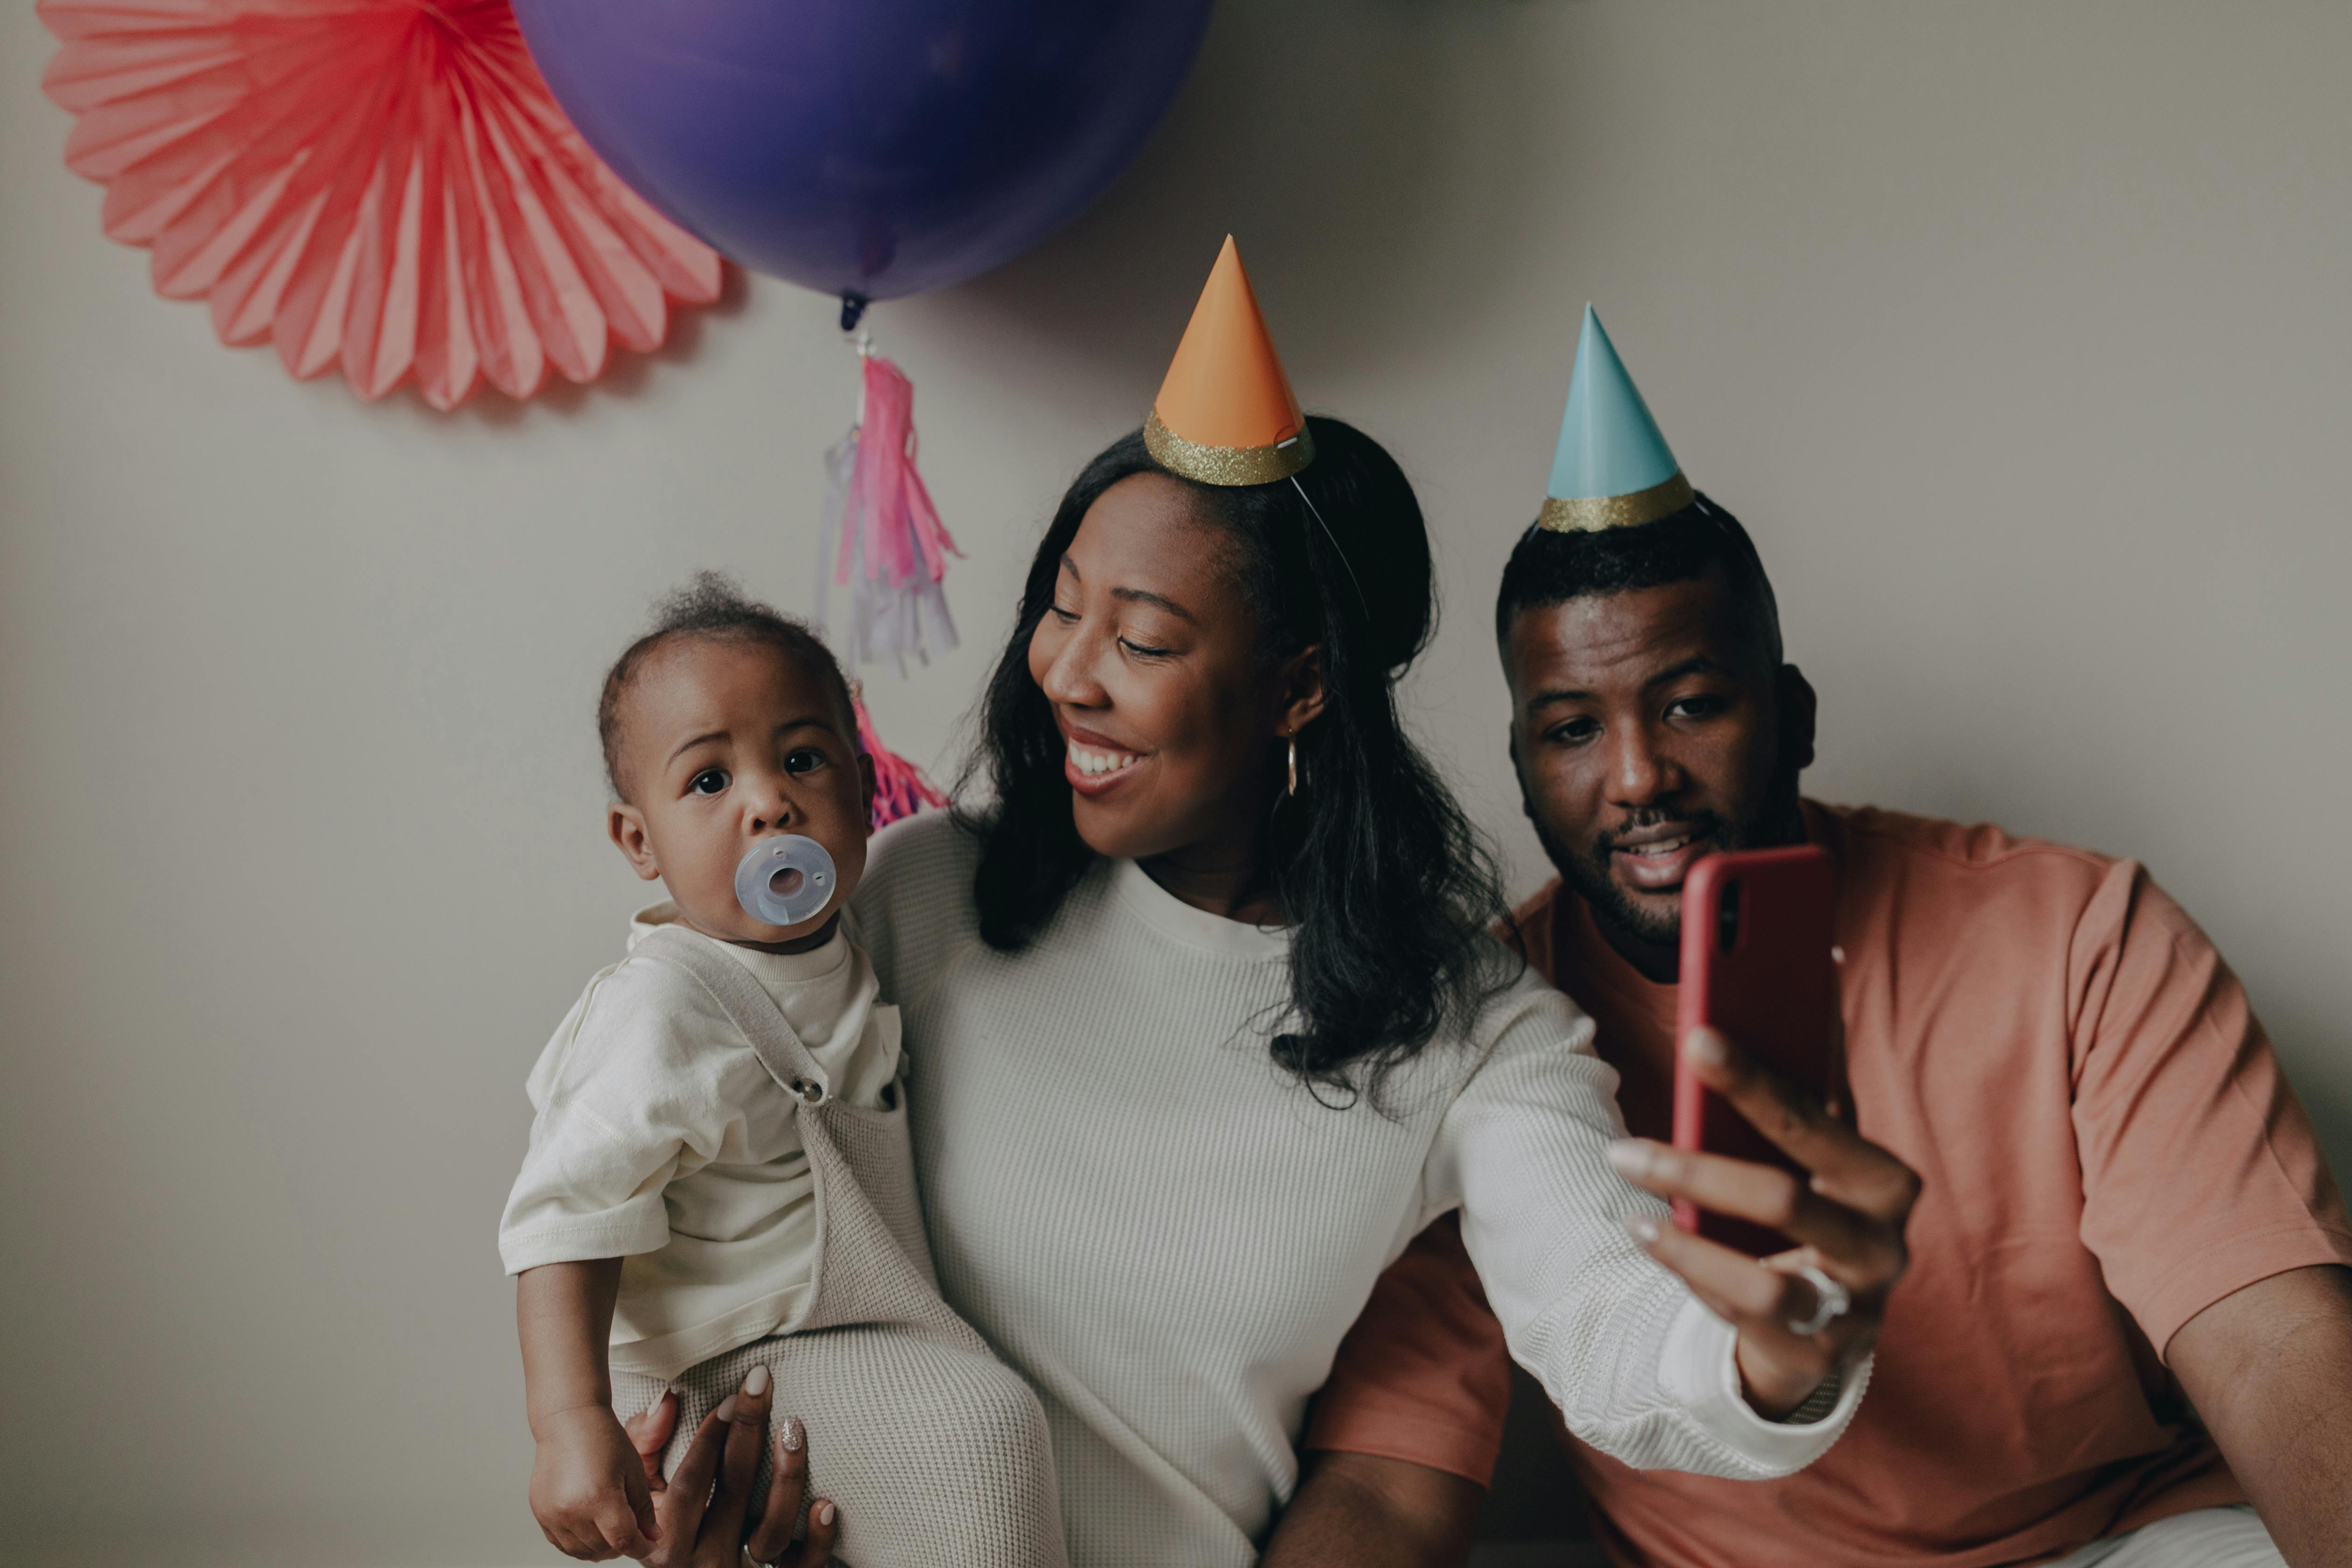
point(1756, 964)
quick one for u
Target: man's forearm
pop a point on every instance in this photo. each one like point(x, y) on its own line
point(1353, 1510)
point(2270, 1369)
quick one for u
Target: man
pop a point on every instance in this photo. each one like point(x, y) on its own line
point(2129, 1311)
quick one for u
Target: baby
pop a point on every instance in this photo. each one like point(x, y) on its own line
point(718, 1176)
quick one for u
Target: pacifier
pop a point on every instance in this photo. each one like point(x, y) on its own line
point(784, 880)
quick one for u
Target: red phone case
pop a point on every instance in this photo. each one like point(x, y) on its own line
point(1772, 987)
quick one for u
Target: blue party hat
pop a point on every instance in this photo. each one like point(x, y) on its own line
point(1611, 468)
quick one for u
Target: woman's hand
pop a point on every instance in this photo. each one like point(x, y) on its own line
point(1848, 1222)
point(703, 1523)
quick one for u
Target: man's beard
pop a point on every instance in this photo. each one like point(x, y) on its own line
point(1777, 822)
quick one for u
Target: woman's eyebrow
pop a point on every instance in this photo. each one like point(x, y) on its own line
point(1141, 596)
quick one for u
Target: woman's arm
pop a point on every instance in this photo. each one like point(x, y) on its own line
point(587, 1490)
point(1637, 1365)
point(1359, 1510)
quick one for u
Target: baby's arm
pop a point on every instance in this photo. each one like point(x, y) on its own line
point(588, 1488)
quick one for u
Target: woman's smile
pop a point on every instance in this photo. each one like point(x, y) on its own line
point(1095, 763)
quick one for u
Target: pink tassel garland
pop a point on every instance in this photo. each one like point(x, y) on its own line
point(881, 538)
point(899, 787)
point(884, 535)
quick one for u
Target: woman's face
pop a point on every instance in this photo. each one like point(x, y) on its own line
point(1171, 710)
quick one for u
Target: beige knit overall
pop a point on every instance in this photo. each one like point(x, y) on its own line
point(935, 1451)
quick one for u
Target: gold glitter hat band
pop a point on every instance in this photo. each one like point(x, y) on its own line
point(1225, 414)
point(1226, 465)
point(1590, 514)
point(1613, 467)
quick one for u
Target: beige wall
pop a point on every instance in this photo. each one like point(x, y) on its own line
point(2017, 331)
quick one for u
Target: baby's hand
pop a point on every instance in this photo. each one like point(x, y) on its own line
point(588, 1488)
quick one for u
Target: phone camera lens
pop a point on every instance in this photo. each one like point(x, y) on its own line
point(1726, 918)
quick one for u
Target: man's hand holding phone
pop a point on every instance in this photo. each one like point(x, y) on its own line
point(1846, 1212)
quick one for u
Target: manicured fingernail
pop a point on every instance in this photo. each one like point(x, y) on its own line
point(757, 1384)
point(821, 1513)
point(1706, 1048)
point(726, 1411)
point(1631, 1156)
point(792, 1436)
point(1642, 1228)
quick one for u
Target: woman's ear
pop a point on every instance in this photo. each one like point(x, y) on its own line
point(1303, 690)
point(627, 825)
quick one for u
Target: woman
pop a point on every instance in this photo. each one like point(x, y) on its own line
point(1205, 1028)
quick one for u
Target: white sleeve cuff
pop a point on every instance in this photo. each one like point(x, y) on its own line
point(1699, 1372)
point(619, 1234)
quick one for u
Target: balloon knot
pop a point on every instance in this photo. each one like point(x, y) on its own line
point(853, 311)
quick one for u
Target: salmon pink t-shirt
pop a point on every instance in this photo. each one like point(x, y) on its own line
point(2108, 1149)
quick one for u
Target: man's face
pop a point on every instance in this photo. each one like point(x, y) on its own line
point(1651, 729)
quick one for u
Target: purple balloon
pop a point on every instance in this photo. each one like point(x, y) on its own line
point(869, 148)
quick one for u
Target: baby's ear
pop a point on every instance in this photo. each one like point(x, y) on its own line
point(866, 789)
point(627, 826)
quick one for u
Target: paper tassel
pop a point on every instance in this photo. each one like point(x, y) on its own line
point(882, 533)
point(899, 787)
point(383, 184)
point(881, 538)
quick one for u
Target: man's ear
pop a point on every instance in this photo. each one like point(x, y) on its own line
point(1799, 708)
point(866, 789)
point(627, 825)
point(1303, 691)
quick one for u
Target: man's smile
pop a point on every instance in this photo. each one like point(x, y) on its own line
point(1656, 859)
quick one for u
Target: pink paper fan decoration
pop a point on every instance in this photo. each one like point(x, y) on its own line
point(385, 184)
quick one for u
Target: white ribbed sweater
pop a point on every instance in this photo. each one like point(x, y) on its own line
point(1168, 1236)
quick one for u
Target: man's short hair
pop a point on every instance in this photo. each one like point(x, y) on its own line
point(1550, 567)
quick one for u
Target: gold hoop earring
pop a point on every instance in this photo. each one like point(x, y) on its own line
point(1293, 789)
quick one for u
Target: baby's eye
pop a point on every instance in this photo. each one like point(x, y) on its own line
point(710, 781)
point(804, 760)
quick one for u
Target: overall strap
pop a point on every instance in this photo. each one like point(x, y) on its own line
point(747, 1005)
point(866, 1271)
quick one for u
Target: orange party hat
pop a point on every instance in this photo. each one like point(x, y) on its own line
point(1227, 415)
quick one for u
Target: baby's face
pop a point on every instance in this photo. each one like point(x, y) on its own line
point(724, 743)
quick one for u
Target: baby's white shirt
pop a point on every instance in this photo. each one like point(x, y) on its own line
point(660, 1140)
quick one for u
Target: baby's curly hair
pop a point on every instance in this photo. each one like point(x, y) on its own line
point(712, 604)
